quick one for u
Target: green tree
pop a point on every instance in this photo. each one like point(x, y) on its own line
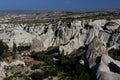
point(3, 49)
point(14, 48)
point(37, 76)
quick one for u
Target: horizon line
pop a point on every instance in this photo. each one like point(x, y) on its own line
point(99, 10)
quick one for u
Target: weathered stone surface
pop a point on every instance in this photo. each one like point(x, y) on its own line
point(111, 25)
point(107, 69)
point(37, 45)
point(68, 37)
point(101, 65)
point(95, 49)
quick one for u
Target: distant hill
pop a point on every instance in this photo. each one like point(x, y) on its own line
point(4, 12)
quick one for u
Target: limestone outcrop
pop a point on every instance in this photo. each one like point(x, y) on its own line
point(95, 49)
point(101, 65)
point(67, 35)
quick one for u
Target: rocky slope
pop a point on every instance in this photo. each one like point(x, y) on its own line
point(99, 35)
point(67, 35)
point(101, 65)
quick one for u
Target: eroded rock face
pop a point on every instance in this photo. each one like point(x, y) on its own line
point(105, 37)
point(37, 45)
point(115, 38)
point(99, 35)
point(68, 36)
point(101, 65)
point(107, 69)
point(111, 26)
point(95, 49)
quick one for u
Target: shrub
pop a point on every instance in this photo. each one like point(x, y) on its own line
point(35, 66)
point(52, 50)
point(4, 52)
point(42, 56)
point(53, 71)
point(23, 48)
point(14, 49)
point(37, 76)
point(114, 53)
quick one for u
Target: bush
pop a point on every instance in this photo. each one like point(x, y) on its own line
point(37, 76)
point(53, 71)
point(44, 56)
point(17, 76)
point(38, 55)
point(41, 56)
point(8, 78)
point(52, 50)
point(23, 48)
point(4, 52)
point(35, 66)
point(114, 53)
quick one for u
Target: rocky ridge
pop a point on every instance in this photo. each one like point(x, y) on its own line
point(99, 35)
point(102, 66)
point(67, 35)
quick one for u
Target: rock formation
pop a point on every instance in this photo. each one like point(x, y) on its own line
point(101, 65)
point(95, 49)
point(68, 37)
point(40, 32)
